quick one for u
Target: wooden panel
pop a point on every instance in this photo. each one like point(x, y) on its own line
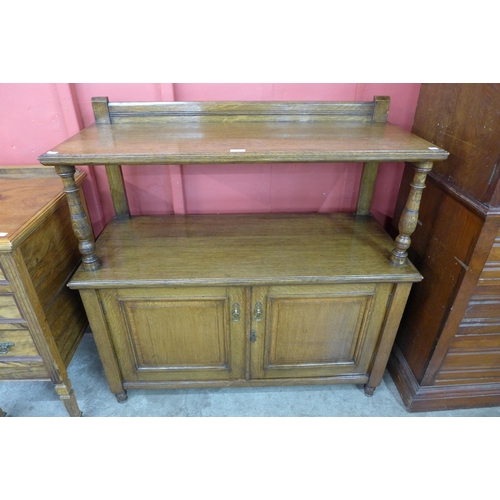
point(51, 254)
point(127, 112)
point(464, 120)
point(8, 308)
point(183, 334)
point(69, 325)
point(442, 247)
point(335, 338)
point(23, 343)
point(316, 331)
point(167, 341)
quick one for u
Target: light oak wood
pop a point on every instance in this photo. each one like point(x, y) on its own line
point(241, 250)
point(118, 193)
point(366, 188)
point(81, 225)
point(234, 300)
point(317, 331)
point(21, 338)
point(98, 322)
point(8, 308)
point(208, 143)
point(177, 334)
point(409, 217)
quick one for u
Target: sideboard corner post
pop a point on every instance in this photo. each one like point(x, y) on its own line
point(409, 217)
point(79, 220)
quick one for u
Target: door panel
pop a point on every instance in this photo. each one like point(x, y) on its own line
point(177, 334)
point(317, 331)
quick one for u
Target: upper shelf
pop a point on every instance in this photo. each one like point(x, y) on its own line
point(239, 132)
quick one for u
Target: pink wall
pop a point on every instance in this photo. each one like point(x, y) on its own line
point(36, 117)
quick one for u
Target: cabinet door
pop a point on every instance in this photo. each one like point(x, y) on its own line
point(177, 334)
point(316, 331)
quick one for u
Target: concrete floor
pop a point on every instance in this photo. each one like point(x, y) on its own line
point(39, 399)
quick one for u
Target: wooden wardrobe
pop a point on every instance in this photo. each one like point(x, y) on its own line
point(447, 351)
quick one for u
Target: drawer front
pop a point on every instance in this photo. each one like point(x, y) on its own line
point(8, 308)
point(491, 270)
point(21, 361)
point(23, 345)
point(470, 365)
point(26, 369)
point(482, 316)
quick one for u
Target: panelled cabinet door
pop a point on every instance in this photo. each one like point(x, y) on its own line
point(316, 330)
point(177, 334)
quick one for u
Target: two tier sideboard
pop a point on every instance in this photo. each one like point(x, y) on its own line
point(219, 300)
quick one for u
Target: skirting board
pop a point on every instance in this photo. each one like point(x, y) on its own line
point(435, 398)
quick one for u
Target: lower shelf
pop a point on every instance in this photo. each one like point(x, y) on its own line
point(243, 249)
point(214, 301)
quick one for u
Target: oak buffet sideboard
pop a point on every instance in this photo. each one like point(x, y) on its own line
point(41, 320)
point(244, 299)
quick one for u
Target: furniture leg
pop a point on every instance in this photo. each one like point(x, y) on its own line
point(104, 344)
point(409, 217)
point(79, 220)
point(67, 396)
point(121, 397)
point(369, 390)
point(395, 306)
point(2, 413)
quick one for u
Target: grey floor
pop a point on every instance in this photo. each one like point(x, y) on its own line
point(39, 399)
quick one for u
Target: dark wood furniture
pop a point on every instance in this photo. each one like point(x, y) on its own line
point(41, 320)
point(234, 300)
point(447, 352)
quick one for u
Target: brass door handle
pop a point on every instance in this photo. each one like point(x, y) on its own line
point(236, 312)
point(258, 312)
point(5, 346)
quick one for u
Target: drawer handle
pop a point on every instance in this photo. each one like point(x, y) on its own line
point(236, 312)
point(5, 346)
point(258, 312)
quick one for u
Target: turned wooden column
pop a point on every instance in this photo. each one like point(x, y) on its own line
point(79, 220)
point(409, 217)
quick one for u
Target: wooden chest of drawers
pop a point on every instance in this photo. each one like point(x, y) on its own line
point(41, 320)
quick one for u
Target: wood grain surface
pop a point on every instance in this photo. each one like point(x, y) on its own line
point(261, 142)
point(243, 249)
